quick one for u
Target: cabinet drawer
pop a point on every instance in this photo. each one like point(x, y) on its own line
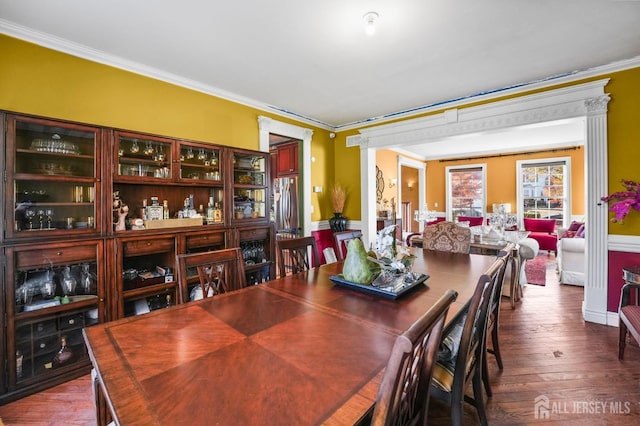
point(55, 256)
point(141, 247)
point(45, 345)
point(205, 240)
point(71, 322)
point(254, 234)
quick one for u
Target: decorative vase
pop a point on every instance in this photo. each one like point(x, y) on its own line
point(338, 223)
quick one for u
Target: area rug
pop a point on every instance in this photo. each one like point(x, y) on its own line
point(536, 270)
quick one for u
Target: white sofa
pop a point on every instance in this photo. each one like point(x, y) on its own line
point(571, 261)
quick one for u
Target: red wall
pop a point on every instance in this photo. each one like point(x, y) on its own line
point(617, 261)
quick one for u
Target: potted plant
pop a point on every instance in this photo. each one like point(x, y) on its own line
point(338, 223)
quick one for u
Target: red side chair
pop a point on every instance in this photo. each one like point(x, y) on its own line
point(543, 231)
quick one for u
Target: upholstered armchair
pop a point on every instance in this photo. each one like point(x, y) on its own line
point(571, 260)
point(447, 236)
point(543, 231)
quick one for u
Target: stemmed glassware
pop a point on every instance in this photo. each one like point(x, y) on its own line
point(49, 213)
point(41, 218)
point(190, 154)
point(201, 155)
point(30, 213)
point(134, 147)
point(148, 149)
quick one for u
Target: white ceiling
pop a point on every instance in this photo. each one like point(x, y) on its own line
point(313, 59)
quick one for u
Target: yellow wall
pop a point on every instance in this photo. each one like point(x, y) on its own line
point(502, 178)
point(39, 81)
point(623, 133)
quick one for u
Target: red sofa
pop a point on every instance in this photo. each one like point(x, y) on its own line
point(543, 231)
point(473, 220)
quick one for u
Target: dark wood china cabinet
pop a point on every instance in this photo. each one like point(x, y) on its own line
point(93, 218)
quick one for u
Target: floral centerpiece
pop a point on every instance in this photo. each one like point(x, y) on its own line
point(622, 202)
point(395, 263)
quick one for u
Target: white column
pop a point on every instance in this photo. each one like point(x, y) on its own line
point(594, 307)
point(367, 187)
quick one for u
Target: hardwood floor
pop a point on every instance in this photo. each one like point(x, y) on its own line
point(547, 349)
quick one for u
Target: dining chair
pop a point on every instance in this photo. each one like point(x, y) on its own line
point(297, 255)
point(629, 315)
point(460, 359)
point(342, 239)
point(216, 272)
point(403, 396)
point(508, 255)
point(447, 236)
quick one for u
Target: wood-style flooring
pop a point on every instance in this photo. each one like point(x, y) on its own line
point(549, 353)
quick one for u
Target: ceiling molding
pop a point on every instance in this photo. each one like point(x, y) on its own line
point(568, 102)
point(94, 55)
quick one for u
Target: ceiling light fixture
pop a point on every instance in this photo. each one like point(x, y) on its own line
point(370, 19)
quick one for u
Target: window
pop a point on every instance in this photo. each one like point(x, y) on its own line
point(543, 189)
point(466, 191)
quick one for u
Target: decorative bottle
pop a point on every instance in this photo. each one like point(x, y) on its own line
point(210, 211)
point(68, 282)
point(87, 281)
point(64, 355)
point(217, 213)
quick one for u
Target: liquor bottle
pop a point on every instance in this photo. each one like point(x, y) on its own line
point(202, 214)
point(210, 211)
point(64, 355)
point(217, 213)
point(143, 211)
point(165, 212)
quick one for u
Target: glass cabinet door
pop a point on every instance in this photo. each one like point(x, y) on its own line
point(249, 186)
point(142, 157)
point(54, 182)
point(55, 290)
point(200, 162)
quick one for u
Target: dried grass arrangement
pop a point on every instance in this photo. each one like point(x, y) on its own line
point(338, 197)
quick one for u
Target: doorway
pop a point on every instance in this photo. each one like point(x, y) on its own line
point(268, 126)
point(587, 101)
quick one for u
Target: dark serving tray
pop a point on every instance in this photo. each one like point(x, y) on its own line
point(339, 280)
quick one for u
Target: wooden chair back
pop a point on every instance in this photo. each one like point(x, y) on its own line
point(447, 236)
point(509, 256)
point(463, 359)
point(297, 255)
point(216, 272)
point(342, 239)
point(403, 396)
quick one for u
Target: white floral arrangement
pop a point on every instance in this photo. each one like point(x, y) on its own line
point(389, 256)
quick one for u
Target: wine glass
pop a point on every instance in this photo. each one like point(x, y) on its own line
point(49, 213)
point(201, 155)
point(190, 154)
point(159, 154)
point(30, 213)
point(41, 218)
point(134, 147)
point(148, 149)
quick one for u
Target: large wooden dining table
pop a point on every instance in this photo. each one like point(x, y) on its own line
point(295, 350)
